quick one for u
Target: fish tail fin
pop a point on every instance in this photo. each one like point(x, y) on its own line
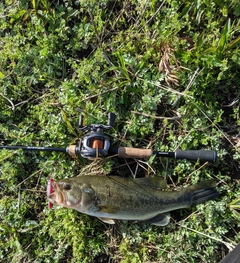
point(202, 192)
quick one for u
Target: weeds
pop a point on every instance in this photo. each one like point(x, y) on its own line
point(169, 70)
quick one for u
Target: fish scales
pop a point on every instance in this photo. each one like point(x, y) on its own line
point(134, 196)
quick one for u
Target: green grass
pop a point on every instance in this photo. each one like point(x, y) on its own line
point(170, 72)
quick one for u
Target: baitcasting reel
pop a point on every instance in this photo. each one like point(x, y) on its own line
point(95, 142)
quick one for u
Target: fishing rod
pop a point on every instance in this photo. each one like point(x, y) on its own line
point(96, 144)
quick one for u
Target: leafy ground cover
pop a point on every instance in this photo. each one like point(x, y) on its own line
point(170, 72)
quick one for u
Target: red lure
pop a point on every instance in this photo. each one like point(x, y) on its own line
point(50, 190)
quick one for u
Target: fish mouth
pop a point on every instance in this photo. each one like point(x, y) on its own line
point(54, 194)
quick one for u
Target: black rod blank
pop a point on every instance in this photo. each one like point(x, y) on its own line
point(33, 148)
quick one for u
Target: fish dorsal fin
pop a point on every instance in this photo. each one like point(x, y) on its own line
point(152, 182)
point(107, 220)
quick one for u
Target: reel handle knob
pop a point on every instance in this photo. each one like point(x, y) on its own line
point(111, 119)
point(80, 123)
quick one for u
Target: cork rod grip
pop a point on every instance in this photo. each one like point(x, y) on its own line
point(71, 150)
point(127, 152)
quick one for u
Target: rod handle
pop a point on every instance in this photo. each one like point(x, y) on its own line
point(201, 155)
point(128, 152)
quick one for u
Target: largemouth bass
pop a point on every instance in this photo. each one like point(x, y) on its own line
point(114, 197)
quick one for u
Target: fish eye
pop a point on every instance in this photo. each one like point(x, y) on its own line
point(67, 186)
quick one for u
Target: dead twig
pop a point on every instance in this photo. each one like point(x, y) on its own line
point(157, 117)
point(227, 244)
point(13, 107)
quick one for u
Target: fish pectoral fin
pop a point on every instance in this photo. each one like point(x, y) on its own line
point(107, 209)
point(107, 220)
point(159, 220)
